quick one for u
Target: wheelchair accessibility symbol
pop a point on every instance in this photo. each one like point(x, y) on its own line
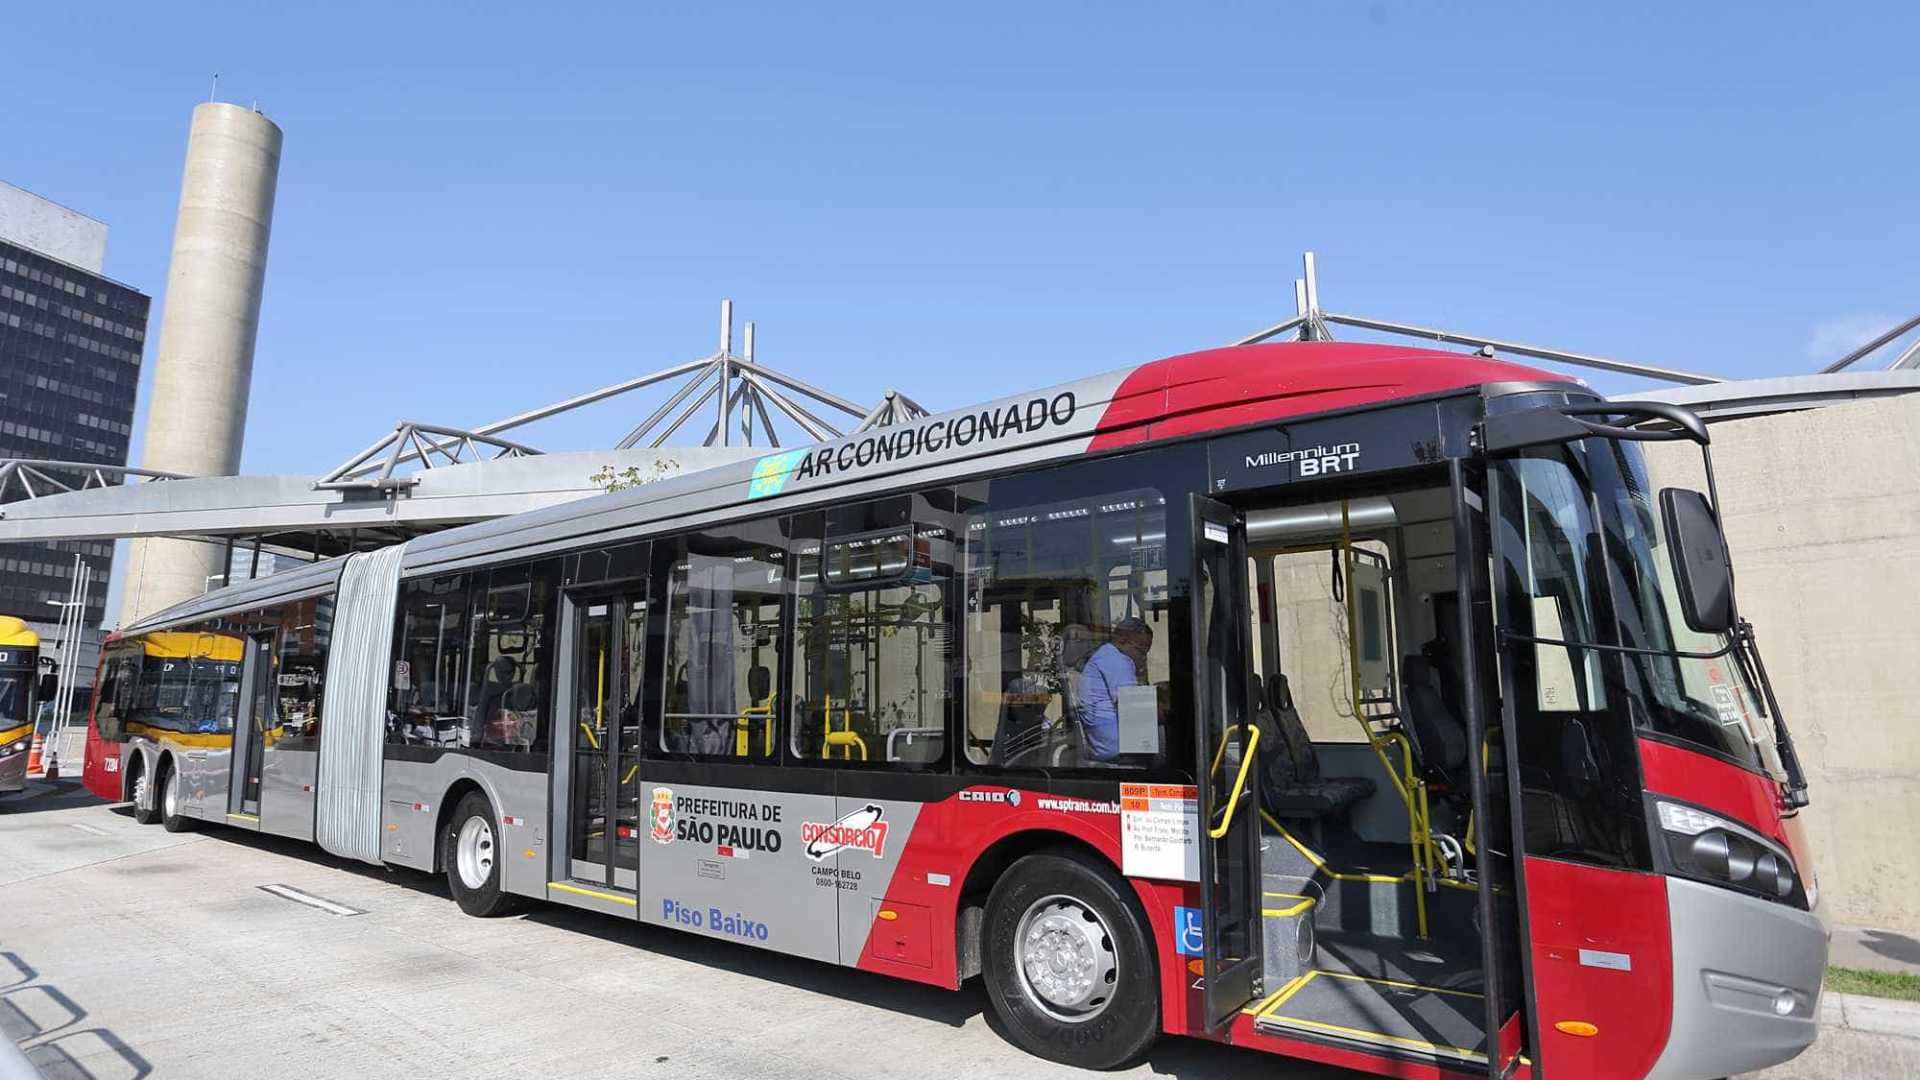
point(1188, 937)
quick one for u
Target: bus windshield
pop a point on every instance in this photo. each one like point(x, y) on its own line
point(15, 689)
point(1587, 564)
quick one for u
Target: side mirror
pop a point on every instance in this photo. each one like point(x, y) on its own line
point(1699, 553)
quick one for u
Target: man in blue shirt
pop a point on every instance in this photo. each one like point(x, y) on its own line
point(1113, 666)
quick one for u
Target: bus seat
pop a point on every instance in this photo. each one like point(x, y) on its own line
point(1439, 734)
point(1290, 782)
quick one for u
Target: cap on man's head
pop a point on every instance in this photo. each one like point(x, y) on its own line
point(1132, 625)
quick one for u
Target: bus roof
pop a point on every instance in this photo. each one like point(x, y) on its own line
point(15, 632)
point(182, 644)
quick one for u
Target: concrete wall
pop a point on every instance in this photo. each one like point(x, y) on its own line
point(1823, 514)
point(47, 227)
point(203, 370)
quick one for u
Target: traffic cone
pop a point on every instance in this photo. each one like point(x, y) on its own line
point(33, 754)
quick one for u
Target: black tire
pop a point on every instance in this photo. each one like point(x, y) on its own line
point(487, 899)
point(170, 819)
point(1113, 1030)
point(150, 813)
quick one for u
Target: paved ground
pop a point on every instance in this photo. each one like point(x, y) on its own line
point(128, 951)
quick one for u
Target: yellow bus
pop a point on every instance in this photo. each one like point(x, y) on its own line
point(19, 672)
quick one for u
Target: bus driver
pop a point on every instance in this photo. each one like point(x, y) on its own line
point(1113, 666)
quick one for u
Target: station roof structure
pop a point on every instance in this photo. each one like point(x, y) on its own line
point(420, 477)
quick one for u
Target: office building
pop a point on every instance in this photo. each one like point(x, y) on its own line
point(70, 346)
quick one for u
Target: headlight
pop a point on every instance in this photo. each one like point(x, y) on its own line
point(1707, 847)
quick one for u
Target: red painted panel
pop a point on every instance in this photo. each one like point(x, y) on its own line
point(1247, 384)
point(1747, 797)
point(949, 836)
point(1621, 913)
point(100, 777)
point(902, 933)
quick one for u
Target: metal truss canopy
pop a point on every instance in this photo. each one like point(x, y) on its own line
point(22, 474)
point(416, 442)
point(733, 384)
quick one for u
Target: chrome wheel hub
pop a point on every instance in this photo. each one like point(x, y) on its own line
point(473, 853)
point(1065, 956)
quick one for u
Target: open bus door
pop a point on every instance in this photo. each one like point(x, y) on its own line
point(1495, 799)
point(1225, 741)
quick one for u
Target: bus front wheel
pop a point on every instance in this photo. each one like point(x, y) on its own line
point(1067, 962)
point(471, 849)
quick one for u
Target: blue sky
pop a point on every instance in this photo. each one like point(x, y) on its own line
point(484, 207)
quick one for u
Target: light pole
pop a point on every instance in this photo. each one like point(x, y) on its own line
point(72, 615)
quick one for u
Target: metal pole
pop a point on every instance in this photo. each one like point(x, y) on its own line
point(726, 370)
point(73, 661)
point(1907, 360)
point(1313, 287)
point(766, 422)
point(1870, 346)
point(1582, 359)
point(746, 412)
point(1276, 329)
point(813, 392)
point(640, 432)
point(814, 425)
point(61, 684)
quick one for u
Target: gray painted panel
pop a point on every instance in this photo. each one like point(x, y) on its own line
point(203, 772)
point(1731, 955)
point(287, 792)
point(866, 868)
point(410, 807)
point(414, 796)
point(353, 712)
point(762, 889)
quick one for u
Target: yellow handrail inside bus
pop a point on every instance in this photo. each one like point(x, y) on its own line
point(1239, 784)
point(742, 727)
point(1413, 790)
point(846, 738)
point(599, 705)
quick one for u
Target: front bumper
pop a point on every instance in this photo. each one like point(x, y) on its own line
point(1746, 981)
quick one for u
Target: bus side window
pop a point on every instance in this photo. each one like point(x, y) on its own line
point(509, 680)
point(726, 605)
point(1068, 622)
point(873, 640)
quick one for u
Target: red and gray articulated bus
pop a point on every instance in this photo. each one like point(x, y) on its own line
point(1345, 702)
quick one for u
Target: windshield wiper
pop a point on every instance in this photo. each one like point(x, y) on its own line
point(1746, 652)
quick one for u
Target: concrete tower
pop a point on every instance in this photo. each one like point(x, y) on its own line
point(204, 364)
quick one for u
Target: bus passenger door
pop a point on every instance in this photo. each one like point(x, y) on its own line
point(1229, 795)
point(603, 732)
point(258, 686)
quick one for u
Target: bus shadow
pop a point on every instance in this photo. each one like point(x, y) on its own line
point(51, 1030)
point(44, 795)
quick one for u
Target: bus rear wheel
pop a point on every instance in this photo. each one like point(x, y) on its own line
point(170, 817)
point(1068, 964)
point(471, 848)
point(146, 808)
